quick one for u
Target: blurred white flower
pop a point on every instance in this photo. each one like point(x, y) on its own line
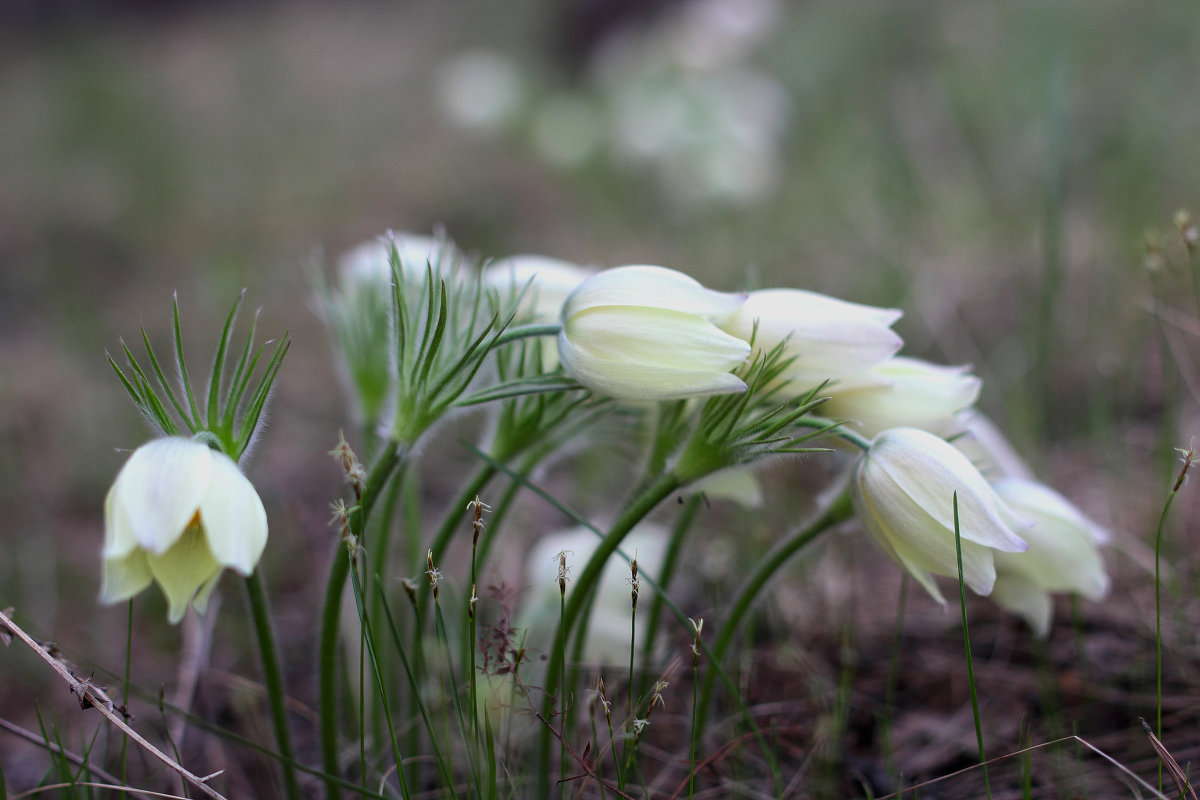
point(608, 634)
point(177, 514)
point(550, 281)
point(481, 90)
point(369, 264)
point(828, 338)
point(904, 393)
point(1063, 554)
point(903, 492)
point(645, 333)
point(988, 450)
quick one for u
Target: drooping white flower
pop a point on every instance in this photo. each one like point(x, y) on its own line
point(177, 514)
point(646, 333)
point(828, 338)
point(1063, 554)
point(903, 492)
point(904, 393)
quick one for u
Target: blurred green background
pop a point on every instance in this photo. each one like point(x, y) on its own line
point(991, 168)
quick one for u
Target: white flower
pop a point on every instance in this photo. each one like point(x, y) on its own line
point(369, 264)
point(988, 450)
point(1063, 554)
point(903, 492)
point(645, 333)
point(904, 393)
point(828, 338)
point(177, 514)
point(550, 281)
point(608, 631)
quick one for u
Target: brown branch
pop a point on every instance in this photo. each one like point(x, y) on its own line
point(93, 697)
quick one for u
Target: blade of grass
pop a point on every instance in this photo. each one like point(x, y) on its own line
point(962, 601)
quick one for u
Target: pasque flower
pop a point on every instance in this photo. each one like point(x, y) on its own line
point(177, 514)
point(827, 338)
point(1063, 554)
point(904, 392)
point(903, 492)
point(646, 333)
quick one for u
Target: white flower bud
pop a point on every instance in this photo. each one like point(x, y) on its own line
point(904, 393)
point(645, 333)
point(903, 492)
point(177, 514)
point(828, 338)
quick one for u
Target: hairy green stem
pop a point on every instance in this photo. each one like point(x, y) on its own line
point(753, 587)
point(273, 680)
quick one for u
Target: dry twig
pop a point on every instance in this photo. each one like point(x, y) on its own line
point(91, 696)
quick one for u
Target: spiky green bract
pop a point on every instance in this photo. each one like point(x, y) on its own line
point(441, 336)
point(234, 401)
point(737, 429)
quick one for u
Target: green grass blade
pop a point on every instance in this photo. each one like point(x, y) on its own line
point(214, 383)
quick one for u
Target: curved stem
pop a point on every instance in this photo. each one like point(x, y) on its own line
point(670, 561)
point(582, 591)
point(514, 333)
point(394, 455)
point(752, 589)
point(836, 429)
point(273, 680)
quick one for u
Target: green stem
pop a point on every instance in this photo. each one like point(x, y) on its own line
point(125, 695)
point(835, 428)
point(753, 587)
point(635, 513)
point(674, 546)
point(1158, 540)
point(393, 456)
point(962, 601)
point(273, 680)
point(517, 332)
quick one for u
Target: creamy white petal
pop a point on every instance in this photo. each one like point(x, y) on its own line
point(655, 337)
point(1018, 595)
point(827, 338)
point(904, 392)
point(924, 470)
point(233, 517)
point(159, 489)
point(652, 287)
point(183, 570)
point(123, 577)
point(1063, 555)
point(629, 381)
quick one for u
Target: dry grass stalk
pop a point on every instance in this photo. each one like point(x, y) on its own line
point(91, 696)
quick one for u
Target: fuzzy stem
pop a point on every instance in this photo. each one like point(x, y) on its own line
point(273, 680)
point(753, 587)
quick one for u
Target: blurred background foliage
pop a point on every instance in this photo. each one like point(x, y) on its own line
point(990, 168)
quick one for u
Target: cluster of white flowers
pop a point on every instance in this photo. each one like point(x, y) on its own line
point(679, 99)
point(180, 511)
point(649, 333)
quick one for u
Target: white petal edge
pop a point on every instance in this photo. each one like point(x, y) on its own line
point(234, 520)
point(159, 489)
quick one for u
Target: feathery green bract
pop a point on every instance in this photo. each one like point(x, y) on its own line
point(234, 401)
